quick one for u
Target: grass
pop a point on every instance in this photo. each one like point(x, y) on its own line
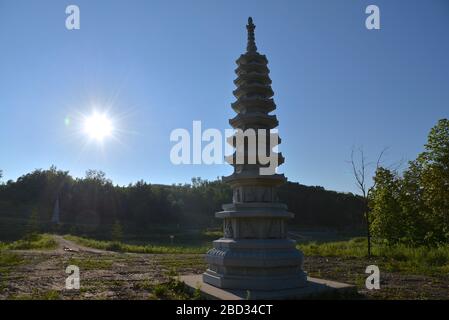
point(124, 247)
point(399, 258)
point(32, 242)
point(174, 263)
point(173, 289)
point(8, 261)
point(37, 295)
point(214, 234)
point(145, 284)
point(160, 290)
point(393, 258)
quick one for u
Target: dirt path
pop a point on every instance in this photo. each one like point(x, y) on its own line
point(65, 245)
point(41, 274)
point(111, 275)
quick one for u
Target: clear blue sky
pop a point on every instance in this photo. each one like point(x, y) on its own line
point(159, 65)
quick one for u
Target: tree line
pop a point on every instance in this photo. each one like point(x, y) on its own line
point(412, 206)
point(94, 205)
point(409, 206)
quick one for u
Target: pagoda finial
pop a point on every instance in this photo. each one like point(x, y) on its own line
point(251, 47)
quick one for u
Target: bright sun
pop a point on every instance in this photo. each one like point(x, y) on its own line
point(98, 126)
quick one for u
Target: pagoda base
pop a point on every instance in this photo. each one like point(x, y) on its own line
point(312, 289)
point(266, 283)
point(255, 264)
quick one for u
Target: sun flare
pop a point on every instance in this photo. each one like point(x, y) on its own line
point(98, 126)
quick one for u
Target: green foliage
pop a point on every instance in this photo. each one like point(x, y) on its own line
point(353, 248)
point(32, 229)
point(173, 289)
point(93, 206)
point(114, 246)
point(315, 206)
point(9, 259)
point(97, 177)
point(50, 295)
point(395, 257)
point(387, 218)
point(123, 247)
point(38, 295)
point(145, 285)
point(117, 231)
point(34, 242)
point(197, 294)
point(414, 209)
point(160, 291)
point(213, 234)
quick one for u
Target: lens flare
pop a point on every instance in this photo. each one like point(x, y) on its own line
point(98, 126)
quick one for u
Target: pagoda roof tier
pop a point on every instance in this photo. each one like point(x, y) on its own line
point(255, 120)
point(231, 140)
point(254, 209)
point(252, 67)
point(252, 57)
point(254, 104)
point(251, 77)
point(253, 179)
point(253, 89)
point(241, 167)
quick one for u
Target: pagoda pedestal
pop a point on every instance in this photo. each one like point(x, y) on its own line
point(255, 253)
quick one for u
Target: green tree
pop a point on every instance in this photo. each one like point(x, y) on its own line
point(32, 228)
point(434, 178)
point(117, 231)
point(97, 176)
point(386, 218)
point(360, 171)
point(415, 208)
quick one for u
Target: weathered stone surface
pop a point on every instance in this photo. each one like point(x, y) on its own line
point(313, 288)
point(254, 253)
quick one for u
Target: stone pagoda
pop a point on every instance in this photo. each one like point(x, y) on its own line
point(254, 253)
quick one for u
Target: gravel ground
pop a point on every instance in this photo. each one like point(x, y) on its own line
point(110, 275)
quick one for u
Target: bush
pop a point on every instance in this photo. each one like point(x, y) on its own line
point(114, 246)
point(398, 257)
point(413, 208)
point(36, 242)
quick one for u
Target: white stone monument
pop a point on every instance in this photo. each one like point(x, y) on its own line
point(255, 258)
point(255, 253)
